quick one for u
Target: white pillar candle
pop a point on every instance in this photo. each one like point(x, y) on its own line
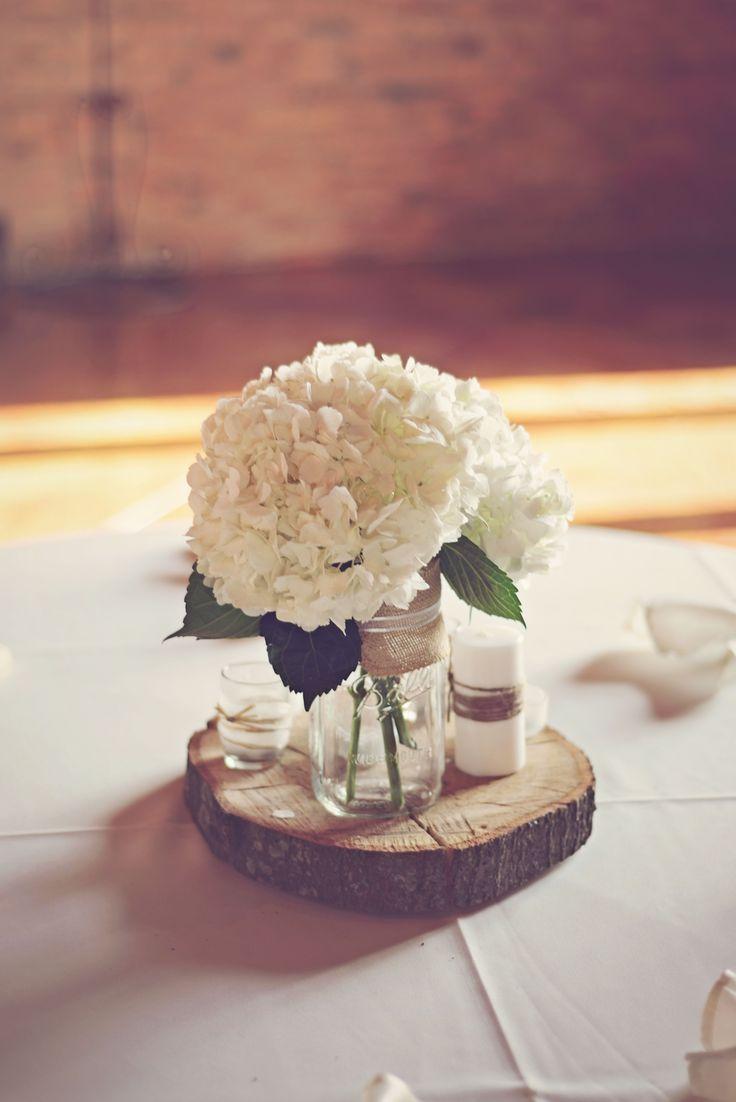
point(484, 659)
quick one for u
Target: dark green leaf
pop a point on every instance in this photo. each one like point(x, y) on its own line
point(311, 662)
point(206, 619)
point(478, 581)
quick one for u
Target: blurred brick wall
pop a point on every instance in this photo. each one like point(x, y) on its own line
point(253, 131)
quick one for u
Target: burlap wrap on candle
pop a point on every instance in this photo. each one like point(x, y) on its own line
point(398, 640)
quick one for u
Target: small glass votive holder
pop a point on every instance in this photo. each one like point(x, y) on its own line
point(254, 715)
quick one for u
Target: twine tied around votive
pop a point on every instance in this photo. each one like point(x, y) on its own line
point(486, 705)
point(397, 640)
point(246, 720)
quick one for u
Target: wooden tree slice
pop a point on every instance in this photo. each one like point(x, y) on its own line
point(482, 840)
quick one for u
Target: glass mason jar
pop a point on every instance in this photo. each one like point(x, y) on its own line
point(378, 743)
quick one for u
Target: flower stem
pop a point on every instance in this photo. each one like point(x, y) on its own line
point(358, 693)
point(401, 729)
point(392, 759)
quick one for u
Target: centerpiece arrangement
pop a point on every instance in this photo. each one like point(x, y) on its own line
point(330, 498)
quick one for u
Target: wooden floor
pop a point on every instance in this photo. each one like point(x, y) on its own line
point(622, 371)
point(648, 451)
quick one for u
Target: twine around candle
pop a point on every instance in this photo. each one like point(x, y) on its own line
point(486, 705)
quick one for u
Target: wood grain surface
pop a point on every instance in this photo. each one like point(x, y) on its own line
point(482, 840)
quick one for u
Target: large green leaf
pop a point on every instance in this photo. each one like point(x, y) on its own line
point(478, 581)
point(311, 662)
point(206, 619)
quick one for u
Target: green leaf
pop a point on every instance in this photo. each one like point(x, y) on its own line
point(311, 662)
point(478, 581)
point(206, 619)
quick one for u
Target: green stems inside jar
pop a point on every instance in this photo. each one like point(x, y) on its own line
point(392, 720)
point(358, 691)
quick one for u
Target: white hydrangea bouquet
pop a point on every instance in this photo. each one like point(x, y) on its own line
point(325, 489)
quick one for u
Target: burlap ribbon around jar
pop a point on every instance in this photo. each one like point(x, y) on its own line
point(399, 640)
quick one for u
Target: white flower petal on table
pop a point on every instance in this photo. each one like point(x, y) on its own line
point(387, 1088)
point(718, 1025)
point(685, 628)
point(687, 653)
point(696, 642)
point(713, 1075)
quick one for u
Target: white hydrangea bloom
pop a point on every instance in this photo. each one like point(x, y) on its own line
point(522, 520)
point(328, 484)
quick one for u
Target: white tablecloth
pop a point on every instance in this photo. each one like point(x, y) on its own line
point(135, 966)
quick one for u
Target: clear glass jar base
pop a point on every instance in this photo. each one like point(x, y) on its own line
point(373, 805)
point(377, 743)
point(233, 762)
